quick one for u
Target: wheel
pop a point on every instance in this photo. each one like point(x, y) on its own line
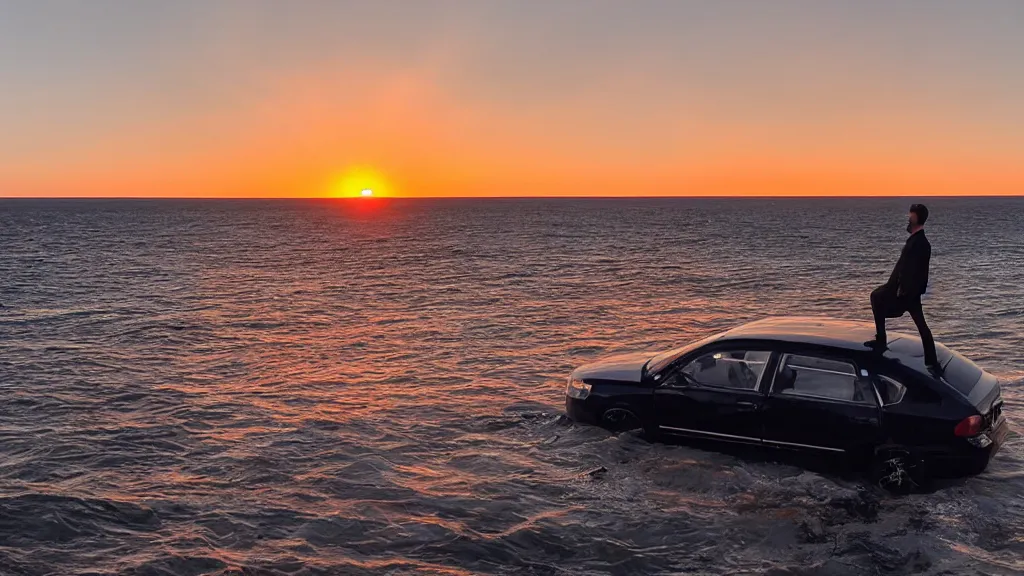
point(620, 420)
point(898, 471)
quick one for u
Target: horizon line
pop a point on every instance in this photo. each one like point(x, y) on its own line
point(522, 197)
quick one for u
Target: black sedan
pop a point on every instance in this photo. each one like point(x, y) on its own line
point(807, 384)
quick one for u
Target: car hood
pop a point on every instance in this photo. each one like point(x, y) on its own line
point(621, 367)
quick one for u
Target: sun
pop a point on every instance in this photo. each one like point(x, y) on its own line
point(360, 182)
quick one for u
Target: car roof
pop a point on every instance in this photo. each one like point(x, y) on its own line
point(834, 333)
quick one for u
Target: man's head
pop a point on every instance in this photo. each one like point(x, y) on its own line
point(916, 218)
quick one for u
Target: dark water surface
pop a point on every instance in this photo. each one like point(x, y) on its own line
point(314, 387)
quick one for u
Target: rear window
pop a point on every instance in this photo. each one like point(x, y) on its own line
point(962, 374)
point(906, 346)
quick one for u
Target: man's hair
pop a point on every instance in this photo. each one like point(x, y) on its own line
point(922, 213)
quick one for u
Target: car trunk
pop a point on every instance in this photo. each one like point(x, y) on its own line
point(989, 399)
point(979, 387)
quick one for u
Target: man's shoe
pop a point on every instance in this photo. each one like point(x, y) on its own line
point(876, 345)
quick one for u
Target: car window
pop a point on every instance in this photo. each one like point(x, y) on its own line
point(813, 377)
point(736, 369)
point(890, 391)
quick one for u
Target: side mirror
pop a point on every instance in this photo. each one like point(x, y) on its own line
point(676, 379)
point(684, 379)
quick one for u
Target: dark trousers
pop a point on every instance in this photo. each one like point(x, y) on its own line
point(886, 304)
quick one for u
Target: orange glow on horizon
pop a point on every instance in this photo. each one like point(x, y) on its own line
point(308, 135)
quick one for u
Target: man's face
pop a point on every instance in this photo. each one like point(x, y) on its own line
point(911, 221)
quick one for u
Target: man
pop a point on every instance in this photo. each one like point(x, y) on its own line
point(902, 293)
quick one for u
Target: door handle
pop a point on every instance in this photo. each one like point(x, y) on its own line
point(746, 405)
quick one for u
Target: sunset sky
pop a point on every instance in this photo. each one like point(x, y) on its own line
point(510, 98)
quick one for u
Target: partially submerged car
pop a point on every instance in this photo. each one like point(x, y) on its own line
point(806, 384)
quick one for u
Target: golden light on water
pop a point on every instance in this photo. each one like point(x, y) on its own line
point(360, 182)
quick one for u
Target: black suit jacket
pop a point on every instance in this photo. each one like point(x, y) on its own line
point(910, 276)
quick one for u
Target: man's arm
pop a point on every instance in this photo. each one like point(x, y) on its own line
point(914, 274)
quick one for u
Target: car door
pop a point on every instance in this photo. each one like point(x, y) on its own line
point(820, 402)
point(716, 395)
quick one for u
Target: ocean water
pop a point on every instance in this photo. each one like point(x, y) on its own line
point(376, 387)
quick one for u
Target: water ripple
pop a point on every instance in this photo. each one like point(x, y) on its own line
point(343, 388)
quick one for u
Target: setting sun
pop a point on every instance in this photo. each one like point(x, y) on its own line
point(360, 181)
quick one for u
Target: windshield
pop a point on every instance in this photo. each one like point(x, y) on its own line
point(661, 361)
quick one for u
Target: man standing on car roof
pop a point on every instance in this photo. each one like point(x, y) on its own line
point(902, 293)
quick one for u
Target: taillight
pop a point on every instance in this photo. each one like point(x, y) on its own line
point(970, 426)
